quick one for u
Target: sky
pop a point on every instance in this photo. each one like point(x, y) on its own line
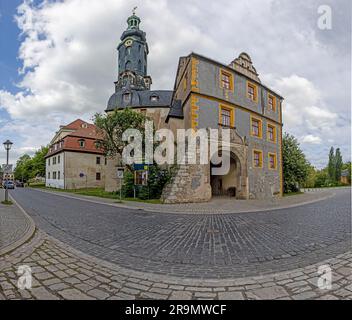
point(58, 61)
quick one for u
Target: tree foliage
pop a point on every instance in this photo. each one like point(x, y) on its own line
point(112, 126)
point(295, 165)
point(30, 167)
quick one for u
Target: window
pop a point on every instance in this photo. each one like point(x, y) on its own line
point(271, 102)
point(106, 161)
point(127, 97)
point(226, 116)
point(226, 80)
point(271, 133)
point(252, 91)
point(58, 159)
point(272, 161)
point(98, 176)
point(54, 175)
point(154, 98)
point(257, 159)
point(48, 175)
point(82, 143)
point(54, 160)
point(58, 175)
point(98, 160)
point(256, 128)
point(49, 162)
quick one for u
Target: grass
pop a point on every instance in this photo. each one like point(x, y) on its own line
point(154, 201)
point(293, 194)
point(97, 192)
point(7, 203)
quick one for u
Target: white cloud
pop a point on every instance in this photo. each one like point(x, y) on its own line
point(68, 55)
point(311, 139)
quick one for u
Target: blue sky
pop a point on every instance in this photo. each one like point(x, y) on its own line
point(66, 52)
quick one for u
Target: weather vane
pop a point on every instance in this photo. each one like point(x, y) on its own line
point(134, 10)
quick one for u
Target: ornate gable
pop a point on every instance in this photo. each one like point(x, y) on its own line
point(244, 65)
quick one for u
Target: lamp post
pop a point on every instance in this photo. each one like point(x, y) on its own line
point(7, 144)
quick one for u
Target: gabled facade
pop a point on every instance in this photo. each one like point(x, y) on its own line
point(214, 95)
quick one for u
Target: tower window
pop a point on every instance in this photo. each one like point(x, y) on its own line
point(154, 98)
point(127, 97)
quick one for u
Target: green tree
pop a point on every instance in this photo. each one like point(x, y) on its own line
point(311, 178)
point(295, 165)
point(322, 179)
point(22, 171)
point(332, 165)
point(38, 162)
point(347, 166)
point(112, 126)
point(338, 165)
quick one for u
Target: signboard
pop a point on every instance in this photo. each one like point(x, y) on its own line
point(141, 177)
point(140, 166)
point(119, 173)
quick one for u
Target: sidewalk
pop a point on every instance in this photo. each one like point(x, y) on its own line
point(16, 227)
point(215, 206)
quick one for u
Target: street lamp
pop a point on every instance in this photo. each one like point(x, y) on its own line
point(7, 144)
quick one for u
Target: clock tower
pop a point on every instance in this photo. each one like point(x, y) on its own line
point(132, 62)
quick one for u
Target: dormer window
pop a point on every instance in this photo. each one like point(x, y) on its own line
point(126, 97)
point(154, 98)
point(84, 125)
point(82, 143)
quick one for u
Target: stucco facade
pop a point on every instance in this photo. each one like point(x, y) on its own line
point(73, 160)
point(258, 123)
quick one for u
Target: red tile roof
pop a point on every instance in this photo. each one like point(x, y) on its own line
point(81, 130)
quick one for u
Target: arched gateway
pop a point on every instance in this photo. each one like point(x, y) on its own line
point(195, 183)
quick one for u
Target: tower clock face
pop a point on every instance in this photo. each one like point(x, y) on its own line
point(128, 43)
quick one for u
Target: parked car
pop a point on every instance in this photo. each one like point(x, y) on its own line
point(19, 184)
point(9, 185)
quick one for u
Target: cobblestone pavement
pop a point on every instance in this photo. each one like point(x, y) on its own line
point(14, 226)
point(197, 246)
point(60, 272)
point(218, 205)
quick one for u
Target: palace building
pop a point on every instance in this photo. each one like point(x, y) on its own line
point(73, 160)
point(207, 94)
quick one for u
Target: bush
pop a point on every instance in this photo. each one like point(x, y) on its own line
point(157, 179)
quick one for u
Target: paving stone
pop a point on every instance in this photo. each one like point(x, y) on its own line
point(181, 295)
point(304, 296)
point(232, 295)
point(73, 294)
point(41, 293)
point(43, 275)
point(269, 293)
point(99, 294)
